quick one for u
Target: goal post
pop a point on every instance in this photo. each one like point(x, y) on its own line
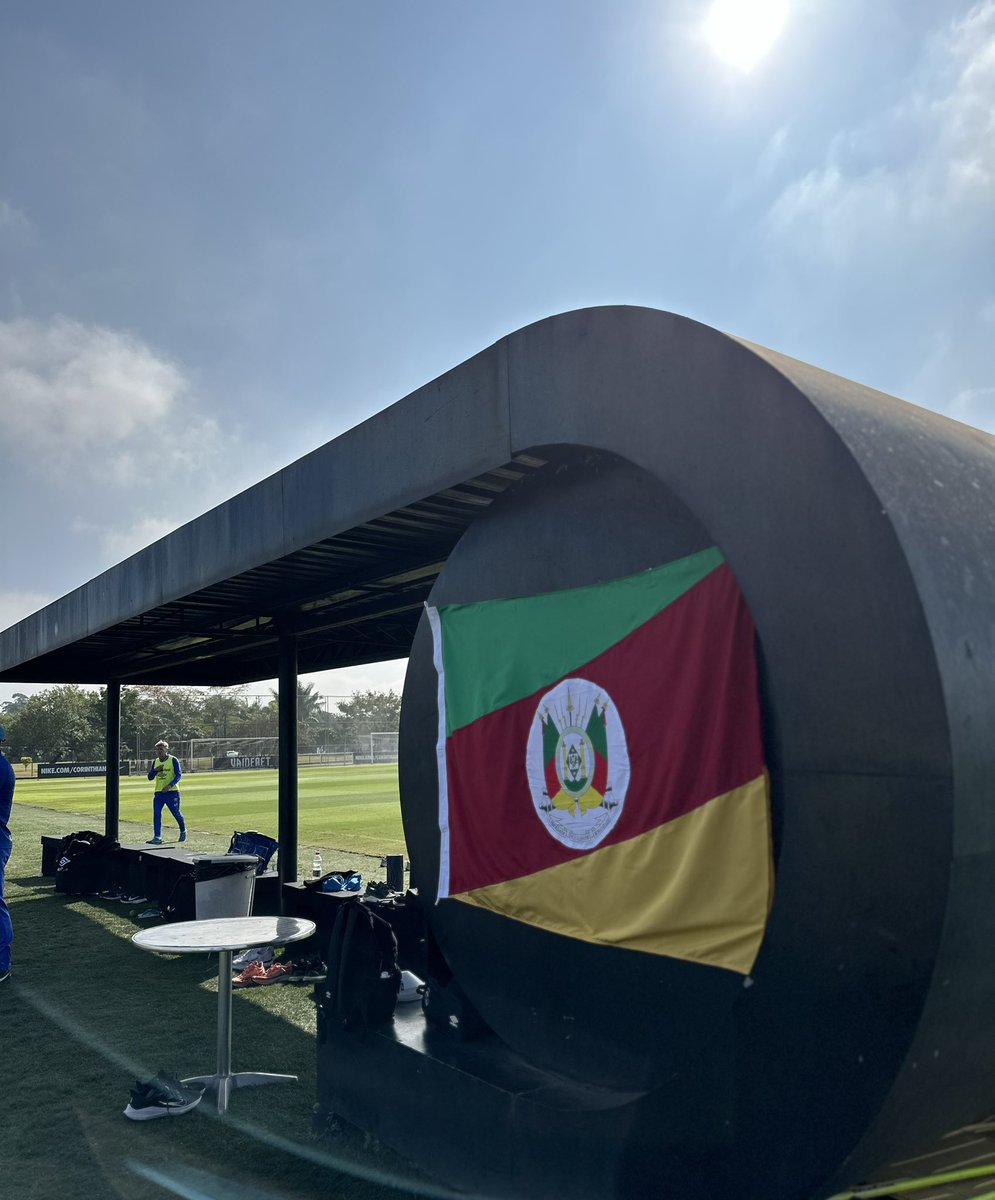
point(383, 747)
point(205, 754)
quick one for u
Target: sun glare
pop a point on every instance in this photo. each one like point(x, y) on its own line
point(741, 32)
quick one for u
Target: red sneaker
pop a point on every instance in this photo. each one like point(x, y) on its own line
point(279, 972)
point(253, 973)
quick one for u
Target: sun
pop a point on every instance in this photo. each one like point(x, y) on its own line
point(740, 32)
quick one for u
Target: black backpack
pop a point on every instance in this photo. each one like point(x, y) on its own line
point(82, 861)
point(360, 991)
point(181, 903)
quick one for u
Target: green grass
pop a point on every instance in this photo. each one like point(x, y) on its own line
point(341, 810)
point(86, 1012)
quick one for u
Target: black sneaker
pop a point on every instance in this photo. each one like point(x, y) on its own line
point(163, 1096)
point(4, 975)
point(174, 1081)
point(308, 970)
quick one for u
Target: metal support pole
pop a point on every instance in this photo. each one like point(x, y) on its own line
point(112, 755)
point(224, 1029)
point(287, 834)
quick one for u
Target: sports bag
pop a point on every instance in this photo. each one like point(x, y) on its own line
point(335, 881)
point(252, 842)
point(82, 861)
point(338, 881)
point(360, 990)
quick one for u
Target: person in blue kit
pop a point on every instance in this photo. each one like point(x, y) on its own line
point(165, 770)
point(6, 844)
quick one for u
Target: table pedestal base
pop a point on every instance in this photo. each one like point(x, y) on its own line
point(224, 1079)
point(223, 1085)
point(222, 936)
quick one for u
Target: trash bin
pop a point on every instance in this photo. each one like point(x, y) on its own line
point(223, 884)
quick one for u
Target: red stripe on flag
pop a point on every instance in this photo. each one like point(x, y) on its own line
point(685, 686)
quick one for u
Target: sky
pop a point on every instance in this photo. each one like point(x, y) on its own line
point(231, 231)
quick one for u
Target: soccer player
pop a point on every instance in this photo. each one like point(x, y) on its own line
point(165, 770)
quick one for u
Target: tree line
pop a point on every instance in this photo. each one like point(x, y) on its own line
point(68, 723)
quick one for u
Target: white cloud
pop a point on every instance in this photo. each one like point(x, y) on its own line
point(373, 677)
point(15, 606)
point(933, 157)
point(120, 543)
point(99, 426)
point(96, 400)
point(975, 406)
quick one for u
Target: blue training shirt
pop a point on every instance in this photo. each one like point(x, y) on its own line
point(6, 794)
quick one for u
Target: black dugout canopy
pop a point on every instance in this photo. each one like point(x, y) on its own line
point(338, 550)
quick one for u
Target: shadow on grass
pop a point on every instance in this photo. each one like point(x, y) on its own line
point(86, 1013)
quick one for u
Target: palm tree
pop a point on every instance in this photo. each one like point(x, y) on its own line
point(308, 702)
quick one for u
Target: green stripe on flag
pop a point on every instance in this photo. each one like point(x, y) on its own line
point(499, 651)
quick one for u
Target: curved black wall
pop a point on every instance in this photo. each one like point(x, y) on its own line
point(812, 487)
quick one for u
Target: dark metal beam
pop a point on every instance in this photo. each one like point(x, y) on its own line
point(112, 754)
point(287, 804)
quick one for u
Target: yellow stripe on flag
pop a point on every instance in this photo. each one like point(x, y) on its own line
point(699, 887)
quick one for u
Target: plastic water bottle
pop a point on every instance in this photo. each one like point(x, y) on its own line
point(316, 866)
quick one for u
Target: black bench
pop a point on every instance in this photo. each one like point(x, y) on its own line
point(406, 919)
point(142, 870)
point(266, 897)
point(320, 907)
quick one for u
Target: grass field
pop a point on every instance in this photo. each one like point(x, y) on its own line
point(341, 810)
point(85, 1013)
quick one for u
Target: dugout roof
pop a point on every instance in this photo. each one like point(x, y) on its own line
point(340, 549)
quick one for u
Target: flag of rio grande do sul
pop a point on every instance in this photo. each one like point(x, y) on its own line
point(601, 768)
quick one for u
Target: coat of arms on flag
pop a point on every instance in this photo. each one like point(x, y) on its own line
point(577, 763)
point(601, 764)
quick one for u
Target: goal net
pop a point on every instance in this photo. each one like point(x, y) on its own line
point(210, 754)
point(383, 748)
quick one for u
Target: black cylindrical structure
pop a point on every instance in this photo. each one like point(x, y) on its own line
point(859, 529)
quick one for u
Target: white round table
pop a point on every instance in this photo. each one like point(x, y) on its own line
point(223, 936)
